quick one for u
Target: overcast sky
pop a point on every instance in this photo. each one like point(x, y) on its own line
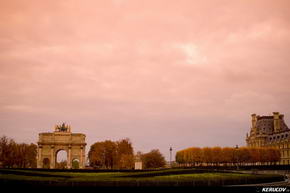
point(162, 73)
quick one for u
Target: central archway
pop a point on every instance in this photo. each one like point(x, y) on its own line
point(61, 159)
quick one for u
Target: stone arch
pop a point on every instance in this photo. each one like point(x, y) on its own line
point(49, 144)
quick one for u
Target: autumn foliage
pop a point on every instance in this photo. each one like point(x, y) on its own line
point(112, 155)
point(17, 155)
point(215, 156)
point(153, 159)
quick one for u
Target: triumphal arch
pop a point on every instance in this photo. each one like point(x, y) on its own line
point(49, 144)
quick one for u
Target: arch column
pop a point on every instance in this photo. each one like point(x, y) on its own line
point(69, 161)
point(52, 159)
point(81, 158)
point(84, 157)
point(39, 157)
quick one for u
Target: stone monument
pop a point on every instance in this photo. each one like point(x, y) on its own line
point(49, 144)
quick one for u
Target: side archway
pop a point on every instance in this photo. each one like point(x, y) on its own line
point(75, 164)
point(46, 163)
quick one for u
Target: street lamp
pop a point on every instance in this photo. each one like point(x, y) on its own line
point(170, 149)
point(237, 147)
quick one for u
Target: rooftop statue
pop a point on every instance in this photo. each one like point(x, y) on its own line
point(62, 128)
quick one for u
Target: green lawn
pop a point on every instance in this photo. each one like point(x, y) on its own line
point(170, 177)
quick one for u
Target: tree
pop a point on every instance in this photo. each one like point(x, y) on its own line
point(9, 153)
point(188, 156)
point(125, 154)
point(207, 155)
point(254, 155)
point(243, 155)
point(103, 154)
point(97, 155)
point(196, 155)
point(228, 155)
point(274, 155)
point(153, 159)
point(3, 150)
point(13, 154)
point(126, 161)
point(31, 155)
point(179, 158)
point(109, 154)
point(216, 155)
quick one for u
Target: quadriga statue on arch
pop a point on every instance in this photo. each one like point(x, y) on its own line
point(50, 143)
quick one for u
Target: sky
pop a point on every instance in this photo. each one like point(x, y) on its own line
point(159, 72)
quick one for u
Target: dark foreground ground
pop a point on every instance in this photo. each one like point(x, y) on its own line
point(169, 180)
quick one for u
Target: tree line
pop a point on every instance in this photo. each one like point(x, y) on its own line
point(112, 154)
point(215, 156)
point(120, 155)
point(17, 155)
point(104, 155)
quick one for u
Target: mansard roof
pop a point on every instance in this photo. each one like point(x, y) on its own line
point(265, 124)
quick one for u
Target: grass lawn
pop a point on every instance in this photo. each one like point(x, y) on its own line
point(169, 177)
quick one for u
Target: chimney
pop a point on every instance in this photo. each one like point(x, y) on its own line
point(254, 121)
point(276, 118)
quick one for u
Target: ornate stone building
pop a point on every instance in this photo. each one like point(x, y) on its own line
point(270, 131)
point(49, 144)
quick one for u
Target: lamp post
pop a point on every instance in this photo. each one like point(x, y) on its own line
point(170, 149)
point(237, 147)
